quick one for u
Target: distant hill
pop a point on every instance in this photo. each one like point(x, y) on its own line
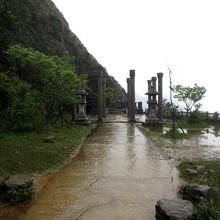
point(40, 25)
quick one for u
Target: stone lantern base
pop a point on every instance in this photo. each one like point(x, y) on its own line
point(152, 119)
point(152, 122)
point(82, 122)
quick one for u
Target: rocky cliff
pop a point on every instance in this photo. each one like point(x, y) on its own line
point(40, 25)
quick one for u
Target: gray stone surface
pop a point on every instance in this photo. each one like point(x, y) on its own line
point(168, 209)
point(195, 192)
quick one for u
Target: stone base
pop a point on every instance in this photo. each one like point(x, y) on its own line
point(81, 122)
point(152, 123)
point(197, 193)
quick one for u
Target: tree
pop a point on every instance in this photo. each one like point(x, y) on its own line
point(109, 95)
point(173, 131)
point(54, 77)
point(22, 101)
point(190, 96)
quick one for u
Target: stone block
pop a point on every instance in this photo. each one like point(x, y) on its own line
point(196, 193)
point(168, 209)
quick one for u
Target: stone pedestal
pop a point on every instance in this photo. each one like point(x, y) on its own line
point(81, 117)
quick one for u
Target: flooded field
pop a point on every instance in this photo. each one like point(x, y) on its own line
point(200, 144)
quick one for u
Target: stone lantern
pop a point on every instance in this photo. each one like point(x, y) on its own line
point(152, 119)
point(81, 117)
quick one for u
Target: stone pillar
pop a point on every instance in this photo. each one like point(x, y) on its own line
point(100, 96)
point(154, 83)
point(129, 97)
point(132, 77)
point(154, 88)
point(103, 97)
point(160, 96)
point(148, 97)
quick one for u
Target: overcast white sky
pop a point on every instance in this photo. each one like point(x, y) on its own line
point(148, 35)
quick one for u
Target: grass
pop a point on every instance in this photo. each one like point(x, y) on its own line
point(174, 134)
point(156, 137)
point(161, 139)
point(147, 132)
point(207, 174)
point(26, 152)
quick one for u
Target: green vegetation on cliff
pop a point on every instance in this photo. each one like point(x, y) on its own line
point(40, 25)
point(35, 88)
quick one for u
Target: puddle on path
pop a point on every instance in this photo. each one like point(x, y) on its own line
point(118, 174)
point(202, 144)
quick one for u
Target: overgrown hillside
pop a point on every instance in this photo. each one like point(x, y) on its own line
point(40, 25)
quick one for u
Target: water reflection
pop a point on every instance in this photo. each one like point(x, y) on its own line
point(216, 130)
point(130, 147)
point(157, 129)
point(194, 131)
point(201, 143)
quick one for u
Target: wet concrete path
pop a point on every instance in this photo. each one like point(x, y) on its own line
point(118, 174)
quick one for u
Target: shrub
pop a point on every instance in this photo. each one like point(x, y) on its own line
point(196, 117)
point(174, 134)
point(22, 102)
point(205, 210)
point(20, 193)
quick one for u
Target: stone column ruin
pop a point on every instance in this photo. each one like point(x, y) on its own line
point(160, 96)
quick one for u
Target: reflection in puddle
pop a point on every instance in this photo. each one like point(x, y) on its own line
point(205, 136)
point(202, 143)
